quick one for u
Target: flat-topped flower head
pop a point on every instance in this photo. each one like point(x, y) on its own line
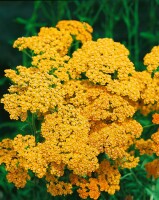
point(152, 168)
point(151, 60)
point(81, 30)
point(102, 61)
point(32, 91)
point(49, 39)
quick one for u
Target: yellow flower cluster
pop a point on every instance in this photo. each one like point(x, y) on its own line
point(48, 40)
point(67, 132)
point(155, 146)
point(149, 96)
point(151, 60)
point(8, 155)
point(82, 31)
point(18, 176)
point(151, 146)
point(106, 179)
point(144, 146)
point(85, 104)
point(152, 168)
point(102, 60)
point(105, 62)
point(32, 91)
point(96, 103)
point(155, 118)
point(48, 50)
point(56, 187)
point(115, 139)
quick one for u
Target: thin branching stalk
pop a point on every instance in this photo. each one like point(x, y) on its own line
point(136, 32)
point(153, 189)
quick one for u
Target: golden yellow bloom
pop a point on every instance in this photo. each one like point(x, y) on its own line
point(151, 60)
point(32, 92)
point(81, 30)
point(115, 139)
point(155, 139)
point(94, 192)
point(111, 175)
point(96, 103)
point(66, 130)
point(48, 39)
point(6, 151)
point(56, 187)
point(18, 176)
point(155, 118)
point(133, 86)
point(102, 61)
point(152, 168)
point(145, 146)
point(84, 104)
point(128, 161)
point(107, 179)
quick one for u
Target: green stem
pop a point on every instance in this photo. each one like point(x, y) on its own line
point(127, 19)
point(25, 52)
point(33, 124)
point(136, 179)
point(103, 197)
point(150, 125)
point(109, 19)
point(25, 57)
point(153, 189)
point(97, 14)
point(125, 176)
point(136, 28)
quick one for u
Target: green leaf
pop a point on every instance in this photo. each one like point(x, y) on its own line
point(157, 1)
point(21, 20)
point(148, 35)
point(151, 193)
point(2, 81)
point(157, 188)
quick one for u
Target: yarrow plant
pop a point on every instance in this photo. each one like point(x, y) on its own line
point(80, 96)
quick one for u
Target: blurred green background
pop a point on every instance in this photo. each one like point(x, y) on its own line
point(134, 23)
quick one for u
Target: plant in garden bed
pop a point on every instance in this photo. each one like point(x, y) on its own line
point(79, 97)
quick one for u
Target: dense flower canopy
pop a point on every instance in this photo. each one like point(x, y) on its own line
point(85, 101)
